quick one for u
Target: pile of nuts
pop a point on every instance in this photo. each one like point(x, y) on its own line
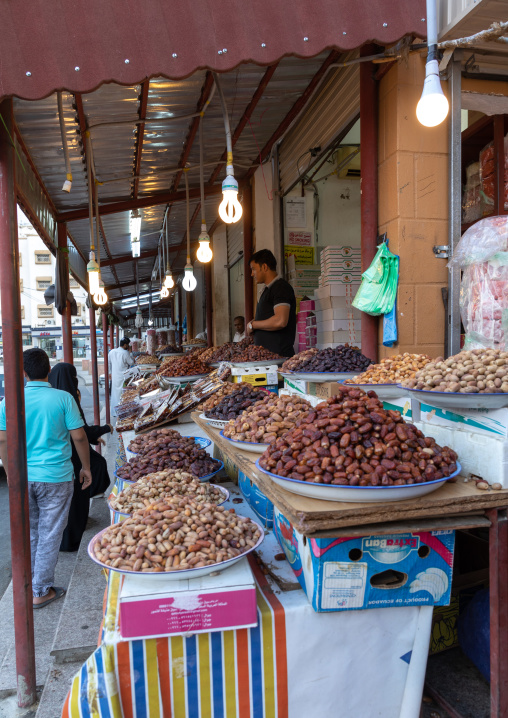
point(145, 444)
point(340, 359)
point(294, 362)
point(176, 535)
point(175, 454)
point(189, 365)
point(267, 419)
point(392, 370)
point(350, 440)
point(162, 485)
point(231, 406)
point(147, 359)
point(480, 371)
point(225, 390)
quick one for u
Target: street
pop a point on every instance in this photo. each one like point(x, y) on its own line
point(5, 545)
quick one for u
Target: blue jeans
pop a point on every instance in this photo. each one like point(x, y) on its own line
point(48, 506)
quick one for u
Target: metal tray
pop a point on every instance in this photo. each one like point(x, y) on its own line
point(252, 446)
point(384, 391)
point(176, 354)
point(248, 364)
point(357, 494)
point(319, 377)
point(184, 379)
point(449, 400)
point(178, 575)
point(223, 491)
point(216, 423)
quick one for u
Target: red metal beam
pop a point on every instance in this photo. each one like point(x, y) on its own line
point(106, 368)
point(246, 116)
point(143, 102)
point(128, 258)
point(248, 287)
point(66, 316)
point(15, 416)
point(296, 109)
point(369, 172)
point(145, 201)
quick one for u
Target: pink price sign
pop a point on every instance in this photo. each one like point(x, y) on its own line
point(300, 239)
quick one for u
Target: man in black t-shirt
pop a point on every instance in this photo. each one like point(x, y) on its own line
point(274, 326)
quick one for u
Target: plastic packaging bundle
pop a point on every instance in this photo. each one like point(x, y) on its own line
point(482, 254)
point(151, 342)
point(471, 199)
point(488, 176)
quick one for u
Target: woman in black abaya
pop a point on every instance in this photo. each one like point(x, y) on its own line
point(63, 376)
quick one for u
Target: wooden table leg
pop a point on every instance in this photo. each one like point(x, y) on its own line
point(498, 570)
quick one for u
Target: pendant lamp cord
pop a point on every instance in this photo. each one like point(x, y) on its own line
point(187, 202)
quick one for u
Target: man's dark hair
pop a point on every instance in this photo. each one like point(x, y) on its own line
point(239, 317)
point(264, 256)
point(36, 364)
point(125, 342)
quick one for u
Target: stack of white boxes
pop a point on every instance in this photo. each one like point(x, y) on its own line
point(304, 278)
point(337, 320)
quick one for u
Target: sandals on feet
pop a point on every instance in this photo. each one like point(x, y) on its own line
point(59, 592)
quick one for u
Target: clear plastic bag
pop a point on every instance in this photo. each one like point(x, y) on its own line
point(481, 242)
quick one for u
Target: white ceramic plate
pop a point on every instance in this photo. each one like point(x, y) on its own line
point(216, 423)
point(224, 492)
point(184, 379)
point(248, 364)
point(384, 391)
point(177, 575)
point(319, 377)
point(448, 400)
point(358, 494)
point(252, 446)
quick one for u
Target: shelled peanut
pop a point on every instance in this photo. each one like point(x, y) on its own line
point(163, 485)
point(267, 419)
point(480, 371)
point(351, 440)
point(176, 535)
point(392, 370)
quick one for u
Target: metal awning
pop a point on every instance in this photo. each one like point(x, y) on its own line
point(48, 44)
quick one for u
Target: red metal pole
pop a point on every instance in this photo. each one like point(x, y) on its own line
point(66, 316)
point(111, 337)
point(180, 316)
point(498, 587)
point(117, 336)
point(369, 174)
point(15, 417)
point(247, 253)
point(106, 369)
point(208, 286)
point(95, 369)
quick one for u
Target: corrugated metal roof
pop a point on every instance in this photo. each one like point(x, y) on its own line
point(48, 45)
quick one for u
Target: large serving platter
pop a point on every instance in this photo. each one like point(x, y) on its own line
point(216, 423)
point(251, 364)
point(184, 379)
point(252, 446)
point(357, 494)
point(123, 515)
point(450, 400)
point(319, 377)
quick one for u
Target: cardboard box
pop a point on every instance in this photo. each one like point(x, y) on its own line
point(487, 422)
point(313, 400)
point(340, 303)
point(151, 607)
point(307, 304)
point(259, 503)
point(409, 569)
point(326, 389)
point(336, 289)
point(333, 313)
point(340, 252)
point(258, 375)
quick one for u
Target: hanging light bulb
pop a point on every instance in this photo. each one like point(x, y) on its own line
point(204, 253)
point(150, 322)
point(432, 108)
point(136, 248)
point(164, 292)
point(138, 322)
point(100, 297)
point(93, 275)
point(169, 282)
point(230, 209)
point(189, 281)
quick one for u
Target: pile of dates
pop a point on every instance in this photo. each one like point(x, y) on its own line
point(254, 352)
point(226, 389)
point(233, 405)
point(293, 363)
point(342, 358)
point(181, 453)
point(267, 419)
point(189, 365)
point(351, 440)
point(147, 443)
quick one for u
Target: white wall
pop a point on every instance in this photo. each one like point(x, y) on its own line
point(220, 286)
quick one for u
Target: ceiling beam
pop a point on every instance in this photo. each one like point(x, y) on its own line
point(143, 102)
point(296, 109)
point(145, 201)
point(128, 258)
point(249, 110)
point(130, 283)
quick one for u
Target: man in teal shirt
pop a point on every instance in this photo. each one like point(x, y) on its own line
point(52, 418)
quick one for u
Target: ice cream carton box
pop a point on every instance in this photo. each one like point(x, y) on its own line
point(337, 289)
point(344, 574)
point(259, 503)
point(152, 607)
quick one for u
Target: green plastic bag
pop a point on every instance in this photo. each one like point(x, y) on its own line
point(378, 289)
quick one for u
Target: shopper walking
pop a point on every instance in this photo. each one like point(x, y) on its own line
point(274, 326)
point(52, 418)
point(64, 376)
point(119, 360)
